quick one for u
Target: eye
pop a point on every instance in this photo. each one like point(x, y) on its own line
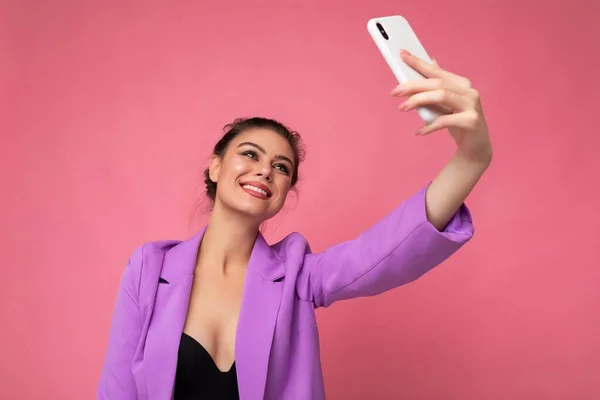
point(283, 168)
point(250, 153)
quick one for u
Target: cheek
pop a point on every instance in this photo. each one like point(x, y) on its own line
point(237, 166)
point(284, 187)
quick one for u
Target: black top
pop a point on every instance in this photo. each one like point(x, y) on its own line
point(198, 377)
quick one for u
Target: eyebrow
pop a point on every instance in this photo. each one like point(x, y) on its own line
point(262, 150)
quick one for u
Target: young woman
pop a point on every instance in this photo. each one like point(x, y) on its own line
point(224, 315)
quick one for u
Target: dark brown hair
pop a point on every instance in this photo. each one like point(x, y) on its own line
point(241, 125)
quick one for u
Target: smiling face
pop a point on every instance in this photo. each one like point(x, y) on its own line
point(255, 174)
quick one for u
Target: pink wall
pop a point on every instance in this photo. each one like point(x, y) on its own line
point(109, 112)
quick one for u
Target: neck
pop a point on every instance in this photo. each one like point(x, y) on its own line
point(228, 241)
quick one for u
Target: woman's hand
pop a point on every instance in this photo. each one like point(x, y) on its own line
point(459, 103)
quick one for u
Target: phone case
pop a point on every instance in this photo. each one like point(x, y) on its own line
point(400, 36)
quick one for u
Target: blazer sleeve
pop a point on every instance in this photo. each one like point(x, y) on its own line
point(116, 379)
point(397, 250)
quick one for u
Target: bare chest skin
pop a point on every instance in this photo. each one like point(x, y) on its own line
point(214, 311)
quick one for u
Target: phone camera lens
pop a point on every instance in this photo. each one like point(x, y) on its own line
point(383, 32)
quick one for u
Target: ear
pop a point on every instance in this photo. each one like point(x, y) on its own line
point(214, 167)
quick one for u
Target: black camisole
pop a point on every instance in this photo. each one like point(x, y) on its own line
point(197, 375)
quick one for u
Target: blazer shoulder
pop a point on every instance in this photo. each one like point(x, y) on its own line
point(145, 261)
point(150, 250)
point(157, 247)
point(294, 245)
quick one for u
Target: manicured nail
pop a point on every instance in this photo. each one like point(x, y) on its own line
point(405, 52)
point(404, 106)
point(398, 90)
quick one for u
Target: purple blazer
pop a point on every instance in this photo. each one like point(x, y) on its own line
point(277, 342)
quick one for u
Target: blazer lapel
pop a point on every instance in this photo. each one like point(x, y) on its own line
point(168, 317)
point(261, 299)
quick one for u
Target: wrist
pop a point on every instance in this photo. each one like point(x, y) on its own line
point(477, 165)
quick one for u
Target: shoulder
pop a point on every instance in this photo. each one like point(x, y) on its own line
point(145, 262)
point(292, 246)
point(149, 251)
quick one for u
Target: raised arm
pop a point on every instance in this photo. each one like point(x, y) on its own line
point(397, 250)
point(428, 227)
point(116, 380)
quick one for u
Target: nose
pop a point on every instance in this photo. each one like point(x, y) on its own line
point(265, 172)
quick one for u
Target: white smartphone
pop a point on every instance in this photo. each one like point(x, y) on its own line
point(392, 34)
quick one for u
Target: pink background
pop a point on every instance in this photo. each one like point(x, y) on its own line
point(109, 111)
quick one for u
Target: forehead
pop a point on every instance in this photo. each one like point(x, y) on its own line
point(272, 142)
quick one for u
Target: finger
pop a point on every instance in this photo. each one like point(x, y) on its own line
point(432, 70)
point(415, 86)
point(421, 66)
point(439, 97)
point(465, 120)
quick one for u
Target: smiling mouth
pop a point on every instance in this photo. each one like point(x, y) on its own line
point(256, 191)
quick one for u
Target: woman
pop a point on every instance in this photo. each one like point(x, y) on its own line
point(224, 315)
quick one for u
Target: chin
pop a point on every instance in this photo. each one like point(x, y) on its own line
point(253, 213)
point(252, 210)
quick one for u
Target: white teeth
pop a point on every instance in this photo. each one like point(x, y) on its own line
point(259, 190)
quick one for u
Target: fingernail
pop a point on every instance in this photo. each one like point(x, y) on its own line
point(405, 52)
point(404, 106)
point(398, 90)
